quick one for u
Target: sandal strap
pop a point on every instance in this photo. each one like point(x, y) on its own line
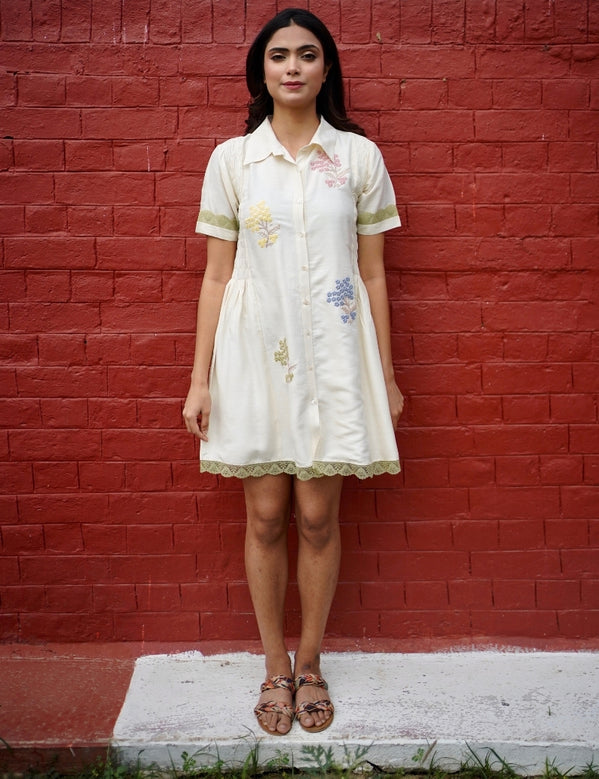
point(310, 707)
point(279, 682)
point(310, 680)
point(272, 707)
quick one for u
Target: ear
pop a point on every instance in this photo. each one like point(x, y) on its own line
point(326, 73)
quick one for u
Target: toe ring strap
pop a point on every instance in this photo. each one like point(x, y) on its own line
point(277, 683)
point(272, 707)
point(314, 707)
point(310, 680)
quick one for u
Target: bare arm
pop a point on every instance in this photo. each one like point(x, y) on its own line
point(219, 267)
point(372, 271)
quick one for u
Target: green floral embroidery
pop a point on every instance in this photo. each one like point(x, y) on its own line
point(260, 221)
point(368, 218)
point(282, 357)
point(218, 220)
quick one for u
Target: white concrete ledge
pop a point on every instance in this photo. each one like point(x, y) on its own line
point(404, 710)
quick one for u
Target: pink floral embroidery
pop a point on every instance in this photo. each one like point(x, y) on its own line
point(335, 177)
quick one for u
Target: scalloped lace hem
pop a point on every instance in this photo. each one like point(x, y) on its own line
point(316, 470)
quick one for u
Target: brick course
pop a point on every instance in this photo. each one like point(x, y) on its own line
point(487, 115)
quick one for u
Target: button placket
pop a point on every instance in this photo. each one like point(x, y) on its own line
point(305, 297)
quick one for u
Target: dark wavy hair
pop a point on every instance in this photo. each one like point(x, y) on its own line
point(330, 102)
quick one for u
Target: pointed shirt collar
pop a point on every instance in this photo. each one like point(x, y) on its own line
point(263, 142)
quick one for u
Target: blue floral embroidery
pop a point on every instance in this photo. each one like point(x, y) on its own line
point(343, 298)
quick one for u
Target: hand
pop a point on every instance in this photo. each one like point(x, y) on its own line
point(396, 402)
point(197, 407)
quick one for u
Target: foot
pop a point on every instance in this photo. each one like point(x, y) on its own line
point(313, 707)
point(274, 710)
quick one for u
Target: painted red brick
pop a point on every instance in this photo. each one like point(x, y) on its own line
point(428, 624)
point(533, 623)
point(148, 626)
point(561, 470)
point(579, 623)
point(521, 533)
point(507, 564)
point(485, 116)
point(510, 594)
point(470, 593)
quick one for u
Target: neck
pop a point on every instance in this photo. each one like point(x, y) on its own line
point(294, 129)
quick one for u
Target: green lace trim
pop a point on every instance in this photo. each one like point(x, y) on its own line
point(316, 470)
point(218, 220)
point(368, 218)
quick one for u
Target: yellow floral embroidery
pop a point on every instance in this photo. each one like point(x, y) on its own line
point(260, 221)
point(282, 357)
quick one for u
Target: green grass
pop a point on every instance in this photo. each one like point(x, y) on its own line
point(318, 759)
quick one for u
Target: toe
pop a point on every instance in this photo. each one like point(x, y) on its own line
point(307, 720)
point(284, 725)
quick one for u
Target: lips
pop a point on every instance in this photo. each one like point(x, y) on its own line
point(293, 84)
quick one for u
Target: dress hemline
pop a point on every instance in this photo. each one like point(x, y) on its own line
point(314, 471)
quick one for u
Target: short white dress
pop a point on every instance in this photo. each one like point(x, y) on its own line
point(296, 379)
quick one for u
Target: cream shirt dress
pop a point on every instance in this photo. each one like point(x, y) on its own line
point(296, 379)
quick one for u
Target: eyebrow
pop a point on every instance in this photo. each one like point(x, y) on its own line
point(305, 47)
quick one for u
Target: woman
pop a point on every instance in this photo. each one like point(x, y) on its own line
point(292, 385)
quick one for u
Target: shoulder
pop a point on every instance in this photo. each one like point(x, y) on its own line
point(363, 152)
point(230, 148)
point(226, 159)
point(354, 140)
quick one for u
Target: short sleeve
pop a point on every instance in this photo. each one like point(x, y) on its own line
point(218, 215)
point(376, 207)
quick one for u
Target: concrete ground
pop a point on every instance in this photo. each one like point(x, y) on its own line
point(401, 708)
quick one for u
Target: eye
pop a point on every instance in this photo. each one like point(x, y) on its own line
point(309, 55)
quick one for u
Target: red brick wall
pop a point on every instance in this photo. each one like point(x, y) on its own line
point(486, 111)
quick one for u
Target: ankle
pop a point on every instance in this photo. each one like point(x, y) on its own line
point(278, 663)
point(306, 663)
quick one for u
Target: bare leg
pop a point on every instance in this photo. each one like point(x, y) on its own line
point(319, 551)
point(268, 503)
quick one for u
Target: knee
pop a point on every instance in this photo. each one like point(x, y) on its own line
point(317, 530)
point(266, 529)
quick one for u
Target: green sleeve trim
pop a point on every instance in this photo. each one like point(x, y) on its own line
point(218, 220)
point(368, 218)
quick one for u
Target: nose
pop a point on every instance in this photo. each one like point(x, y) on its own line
point(292, 66)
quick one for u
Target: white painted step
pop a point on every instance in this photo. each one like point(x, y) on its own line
point(525, 707)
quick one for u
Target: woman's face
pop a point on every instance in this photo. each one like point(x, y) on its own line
point(294, 67)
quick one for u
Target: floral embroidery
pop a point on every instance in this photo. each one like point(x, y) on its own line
point(260, 221)
point(343, 298)
point(282, 357)
point(331, 168)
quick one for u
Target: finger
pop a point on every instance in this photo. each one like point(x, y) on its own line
point(191, 423)
point(203, 428)
point(192, 426)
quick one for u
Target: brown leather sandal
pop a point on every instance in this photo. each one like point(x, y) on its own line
point(312, 707)
point(273, 707)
